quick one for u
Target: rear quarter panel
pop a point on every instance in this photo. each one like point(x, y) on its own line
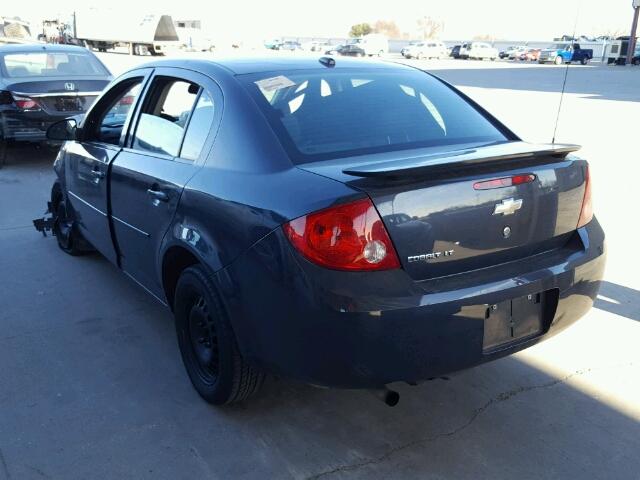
point(247, 187)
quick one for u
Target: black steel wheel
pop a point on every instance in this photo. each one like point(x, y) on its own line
point(207, 343)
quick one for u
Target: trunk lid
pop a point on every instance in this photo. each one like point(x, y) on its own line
point(59, 96)
point(441, 225)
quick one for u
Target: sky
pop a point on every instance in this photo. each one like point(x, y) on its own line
point(462, 19)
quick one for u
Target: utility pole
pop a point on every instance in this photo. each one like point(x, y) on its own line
point(634, 28)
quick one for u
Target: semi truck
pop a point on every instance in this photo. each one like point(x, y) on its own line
point(151, 34)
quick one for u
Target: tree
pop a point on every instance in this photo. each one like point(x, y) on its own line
point(387, 28)
point(429, 27)
point(487, 37)
point(360, 30)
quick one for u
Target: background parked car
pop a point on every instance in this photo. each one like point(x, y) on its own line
point(455, 51)
point(516, 52)
point(333, 49)
point(429, 49)
point(531, 55)
point(42, 84)
point(405, 50)
point(481, 51)
point(507, 53)
point(463, 52)
point(372, 44)
point(289, 45)
point(351, 50)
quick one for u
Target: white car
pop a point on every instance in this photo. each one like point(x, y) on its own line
point(480, 51)
point(429, 49)
point(516, 52)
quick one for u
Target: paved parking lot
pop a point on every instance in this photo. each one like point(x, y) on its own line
point(92, 386)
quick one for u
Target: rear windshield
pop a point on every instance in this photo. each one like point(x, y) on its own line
point(324, 114)
point(51, 64)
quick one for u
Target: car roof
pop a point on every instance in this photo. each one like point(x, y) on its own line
point(247, 65)
point(39, 47)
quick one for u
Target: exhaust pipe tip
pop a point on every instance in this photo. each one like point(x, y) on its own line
point(389, 397)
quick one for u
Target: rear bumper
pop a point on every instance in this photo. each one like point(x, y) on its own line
point(27, 126)
point(360, 330)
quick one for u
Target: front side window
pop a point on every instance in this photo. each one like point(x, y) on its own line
point(112, 119)
point(164, 117)
point(324, 114)
point(51, 64)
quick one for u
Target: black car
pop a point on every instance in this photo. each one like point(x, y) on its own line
point(343, 223)
point(351, 50)
point(41, 84)
point(455, 51)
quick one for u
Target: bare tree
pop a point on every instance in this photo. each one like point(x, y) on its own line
point(429, 27)
point(387, 27)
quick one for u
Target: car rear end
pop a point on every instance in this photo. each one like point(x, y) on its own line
point(41, 87)
point(459, 243)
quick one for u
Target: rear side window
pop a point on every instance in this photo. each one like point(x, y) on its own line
point(165, 115)
point(199, 127)
point(323, 114)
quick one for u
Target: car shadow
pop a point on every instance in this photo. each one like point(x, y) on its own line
point(103, 352)
point(24, 155)
point(618, 299)
point(598, 82)
point(442, 429)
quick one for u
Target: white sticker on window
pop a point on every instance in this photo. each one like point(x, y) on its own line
point(274, 83)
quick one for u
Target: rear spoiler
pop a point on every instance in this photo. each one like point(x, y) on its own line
point(425, 164)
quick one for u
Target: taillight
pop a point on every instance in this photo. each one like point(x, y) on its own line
point(345, 237)
point(26, 103)
point(126, 100)
point(586, 214)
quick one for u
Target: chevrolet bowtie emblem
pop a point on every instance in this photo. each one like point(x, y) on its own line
point(507, 207)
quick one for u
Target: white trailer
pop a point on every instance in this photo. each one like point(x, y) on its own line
point(103, 30)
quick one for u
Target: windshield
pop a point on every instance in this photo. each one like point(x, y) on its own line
point(354, 41)
point(560, 46)
point(51, 64)
point(323, 114)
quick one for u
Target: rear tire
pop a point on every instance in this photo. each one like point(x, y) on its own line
point(207, 342)
point(584, 61)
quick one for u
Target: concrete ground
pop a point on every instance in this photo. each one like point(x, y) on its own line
point(92, 385)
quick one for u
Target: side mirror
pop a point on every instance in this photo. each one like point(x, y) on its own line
point(63, 130)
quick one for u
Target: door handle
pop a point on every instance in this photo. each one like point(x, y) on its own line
point(158, 195)
point(97, 174)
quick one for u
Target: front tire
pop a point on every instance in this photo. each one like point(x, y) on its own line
point(207, 342)
point(65, 230)
point(558, 60)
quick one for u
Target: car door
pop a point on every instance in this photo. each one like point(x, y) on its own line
point(101, 138)
point(174, 129)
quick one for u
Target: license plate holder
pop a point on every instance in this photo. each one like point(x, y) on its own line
point(512, 321)
point(68, 104)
